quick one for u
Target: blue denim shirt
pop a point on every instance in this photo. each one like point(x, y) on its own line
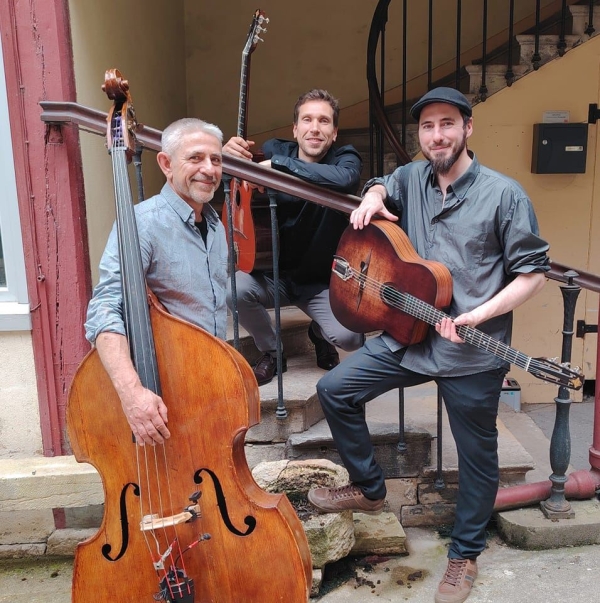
point(188, 277)
point(485, 233)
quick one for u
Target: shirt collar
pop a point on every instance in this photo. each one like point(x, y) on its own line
point(462, 184)
point(184, 211)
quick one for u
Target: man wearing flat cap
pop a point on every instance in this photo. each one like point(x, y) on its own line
point(481, 226)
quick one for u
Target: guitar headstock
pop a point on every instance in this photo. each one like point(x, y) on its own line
point(560, 373)
point(256, 28)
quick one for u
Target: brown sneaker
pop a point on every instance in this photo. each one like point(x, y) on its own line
point(344, 498)
point(456, 584)
point(265, 368)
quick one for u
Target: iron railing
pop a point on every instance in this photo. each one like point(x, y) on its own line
point(94, 121)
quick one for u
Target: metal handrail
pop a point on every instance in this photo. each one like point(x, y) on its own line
point(94, 121)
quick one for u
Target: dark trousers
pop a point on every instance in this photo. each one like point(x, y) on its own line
point(472, 406)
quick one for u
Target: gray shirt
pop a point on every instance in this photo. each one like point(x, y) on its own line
point(188, 277)
point(485, 232)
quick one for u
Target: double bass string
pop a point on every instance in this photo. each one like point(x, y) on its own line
point(135, 323)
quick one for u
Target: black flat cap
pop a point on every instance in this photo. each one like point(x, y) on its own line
point(442, 95)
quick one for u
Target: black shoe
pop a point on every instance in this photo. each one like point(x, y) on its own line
point(327, 356)
point(265, 368)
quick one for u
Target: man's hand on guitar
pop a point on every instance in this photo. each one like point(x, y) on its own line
point(372, 204)
point(238, 147)
point(447, 327)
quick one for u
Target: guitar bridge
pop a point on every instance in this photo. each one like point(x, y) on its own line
point(341, 268)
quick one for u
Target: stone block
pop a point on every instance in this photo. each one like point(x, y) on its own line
point(495, 77)
point(529, 528)
point(48, 482)
point(378, 535)
point(318, 443)
point(317, 580)
point(427, 515)
point(22, 551)
point(259, 453)
point(400, 492)
point(547, 47)
point(64, 542)
point(303, 412)
point(330, 536)
point(25, 527)
point(430, 495)
point(581, 19)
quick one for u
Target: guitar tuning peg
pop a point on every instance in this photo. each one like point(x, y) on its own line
point(259, 39)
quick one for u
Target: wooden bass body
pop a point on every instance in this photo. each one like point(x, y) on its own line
point(250, 546)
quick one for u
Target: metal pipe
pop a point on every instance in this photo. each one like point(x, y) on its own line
point(458, 35)
point(595, 448)
point(579, 485)
point(483, 90)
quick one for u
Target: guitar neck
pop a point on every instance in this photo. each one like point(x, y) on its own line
point(242, 127)
point(431, 315)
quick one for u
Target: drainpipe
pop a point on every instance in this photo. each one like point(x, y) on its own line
point(579, 485)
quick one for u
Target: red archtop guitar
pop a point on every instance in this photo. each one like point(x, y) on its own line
point(380, 282)
point(250, 212)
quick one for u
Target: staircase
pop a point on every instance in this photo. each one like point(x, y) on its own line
point(415, 495)
point(496, 78)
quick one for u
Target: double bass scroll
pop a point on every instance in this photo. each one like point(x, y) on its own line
point(183, 521)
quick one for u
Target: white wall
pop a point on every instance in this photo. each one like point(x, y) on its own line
point(20, 433)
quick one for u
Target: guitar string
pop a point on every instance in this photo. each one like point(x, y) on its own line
point(431, 315)
point(423, 311)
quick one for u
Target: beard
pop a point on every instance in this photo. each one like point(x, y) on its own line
point(442, 165)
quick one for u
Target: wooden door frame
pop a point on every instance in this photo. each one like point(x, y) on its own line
point(38, 65)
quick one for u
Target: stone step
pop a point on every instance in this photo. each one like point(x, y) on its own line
point(548, 46)
point(581, 19)
point(495, 77)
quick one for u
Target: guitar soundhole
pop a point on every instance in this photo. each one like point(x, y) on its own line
point(389, 295)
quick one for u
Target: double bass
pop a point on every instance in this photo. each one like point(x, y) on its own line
point(183, 521)
point(250, 213)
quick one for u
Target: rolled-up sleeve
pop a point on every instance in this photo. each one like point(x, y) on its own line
point(105, 310)
point(391, 182)
point(524, 250)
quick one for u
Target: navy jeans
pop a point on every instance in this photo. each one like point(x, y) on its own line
point(472, 405)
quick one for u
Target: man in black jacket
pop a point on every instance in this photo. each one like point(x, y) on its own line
point(308, 234)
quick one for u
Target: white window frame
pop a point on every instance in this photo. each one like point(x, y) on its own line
point(14, 300)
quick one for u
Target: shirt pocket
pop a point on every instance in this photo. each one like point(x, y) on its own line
point(464, 247)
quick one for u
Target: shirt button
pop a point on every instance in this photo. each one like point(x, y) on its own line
point(435, 220)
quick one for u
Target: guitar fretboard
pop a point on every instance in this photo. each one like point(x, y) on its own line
point(431, 315)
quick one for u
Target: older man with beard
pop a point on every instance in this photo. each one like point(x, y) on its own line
point(482, 226)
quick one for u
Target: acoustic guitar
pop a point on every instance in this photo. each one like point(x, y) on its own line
point(250, 211)
point(381, 283)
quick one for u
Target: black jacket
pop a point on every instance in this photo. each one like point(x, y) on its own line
point(309, 233)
